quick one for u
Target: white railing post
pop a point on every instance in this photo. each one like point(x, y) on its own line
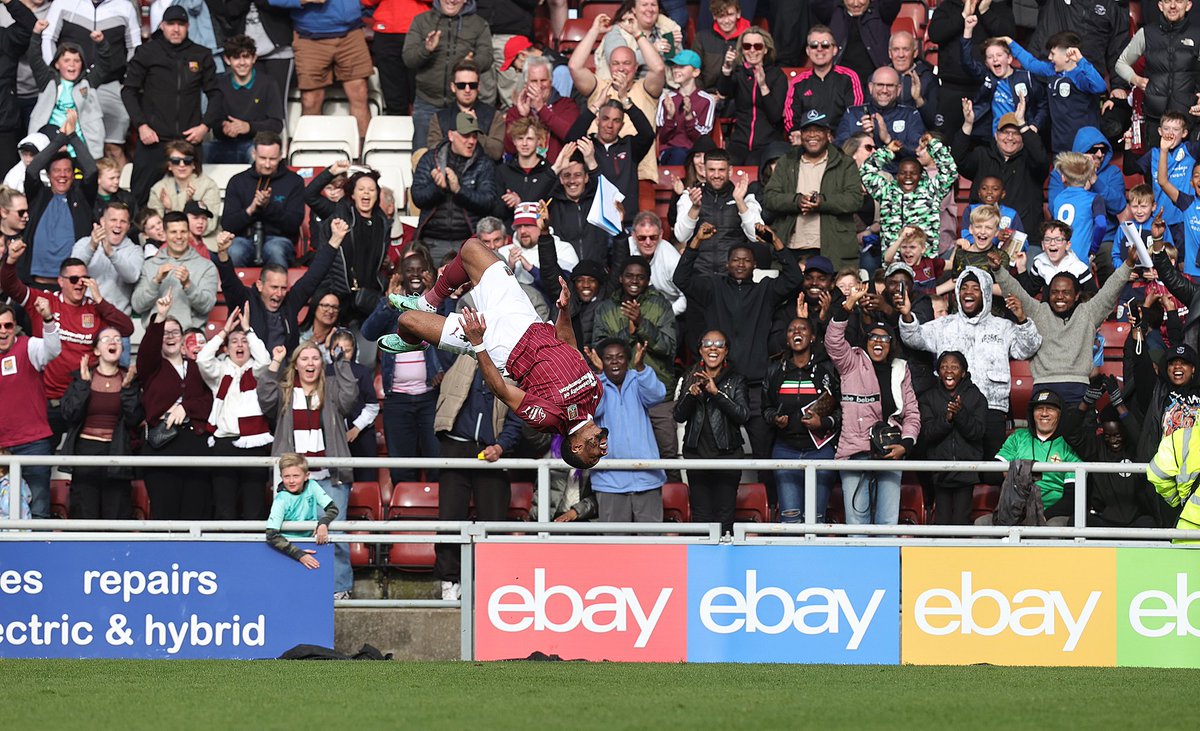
point(543, 488)
point(14, 488)
point(1081, 497)
point(810, 494)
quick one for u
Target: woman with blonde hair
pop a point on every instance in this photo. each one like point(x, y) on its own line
point(309, 412)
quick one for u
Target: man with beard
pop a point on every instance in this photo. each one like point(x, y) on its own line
point(522, 255)
point(571, 200)
point(987, 341)
point(647, 241)
point(727, 206)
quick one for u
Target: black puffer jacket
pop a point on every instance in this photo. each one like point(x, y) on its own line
point(14, 41)
point(958, 440)
point(163, 84)
point(726, 412)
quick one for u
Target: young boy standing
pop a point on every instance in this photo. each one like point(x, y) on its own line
point(1187, 204)
point(912, 196)
point(1056, 257)
point(1140, 210)
point(1074, 86)
point(685, 115)
point(108, 188)
point(299, 498)
point(1078, 206)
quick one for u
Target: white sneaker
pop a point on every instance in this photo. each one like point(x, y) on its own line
point(451, 591)
point(339, 595)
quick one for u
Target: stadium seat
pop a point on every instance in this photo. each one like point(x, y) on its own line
point(912, 505)
point(360, 553)
point(412, 556)
point(917, 14)
point(590, 10)
point(521, 501)
point(322, 140)
point(413, 501)
point(984, 500)
point(749, 171)
point(141, 500)
point(221, 173)
point(1022, 390)
point(388, 133)
point(573, 33)
point(248, 275)
point(127, 176)
point(216, 320)
point(60, 498)
point(752, 504)
point(1114, 334)
point(365, 502)
point(677, 507)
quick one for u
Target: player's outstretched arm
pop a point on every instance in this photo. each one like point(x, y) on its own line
point(473, 328)
point(563, 328)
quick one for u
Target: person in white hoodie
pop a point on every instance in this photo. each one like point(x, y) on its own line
point(229, 362)
point(987, 341)
point(28, 148)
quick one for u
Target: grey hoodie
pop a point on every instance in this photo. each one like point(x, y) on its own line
point(987, 341)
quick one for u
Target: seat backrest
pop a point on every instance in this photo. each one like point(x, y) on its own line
point(413, 501)
point(676, 505)
point(365, 502)
point(752, 503)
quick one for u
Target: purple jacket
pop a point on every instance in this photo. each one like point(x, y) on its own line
point(860, 394)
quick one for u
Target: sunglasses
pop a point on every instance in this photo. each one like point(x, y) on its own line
point(8, 326)
point(824, 45)
point(460, 85)
point(712, 343)
point(182, 160)
point(75, 278)
point(110, 339)
point(879, 338)
point(752, 46)
point(647, 238)
point(1098, 149)
point(22, 212)
point(869, 147)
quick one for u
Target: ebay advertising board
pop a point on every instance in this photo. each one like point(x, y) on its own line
point(160, 599)
point(696, 603)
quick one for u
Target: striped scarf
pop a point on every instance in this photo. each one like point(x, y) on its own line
point(252, 426)
point(307, 434)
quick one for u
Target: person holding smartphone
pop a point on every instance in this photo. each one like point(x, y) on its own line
point(953, 425)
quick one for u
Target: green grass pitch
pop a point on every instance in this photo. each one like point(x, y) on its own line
point(293, 695)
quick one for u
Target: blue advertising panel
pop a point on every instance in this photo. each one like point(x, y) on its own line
point(796, 604)
point(163, 599)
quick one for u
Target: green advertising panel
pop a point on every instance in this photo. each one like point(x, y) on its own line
point(1158, 607)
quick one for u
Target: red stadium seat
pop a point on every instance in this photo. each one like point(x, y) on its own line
point(1114, 334)
point(60, 498)
point(141, 500)
point(248, 275)
point(915, 13)
point(365, 502)
point(904, 23)
point(216, 320)
point(836, 511)
point(676, 505)
point(521, 501)
point(912, 505)
point(1022, 389)
point(752, 504)
point(360, 554)
point(749, 171)
point(984, 501)
point(413, 501)
point(590, 10)
point(573, 33)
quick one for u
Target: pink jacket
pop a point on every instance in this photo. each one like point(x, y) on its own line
point(860, 394)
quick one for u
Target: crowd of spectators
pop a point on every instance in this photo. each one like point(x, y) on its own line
point(822, 284)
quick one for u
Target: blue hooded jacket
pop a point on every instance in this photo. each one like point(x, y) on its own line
point(1110, 183)
point(330, 19)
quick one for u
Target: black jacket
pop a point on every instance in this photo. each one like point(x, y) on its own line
point(741, 310)
point(820, 374)
point(342, 274)
point(508, 17)
point(568, 221)
point(957, 440)
point(619, 161)
point(229, 19)
point(1116, 498)
point(582, 313)
point(534, 185)
point(74, 411)
point(725, 412)
point(445, 214)
point(946, 28)
point(237, 293)
point(1102, 25)
point(80, 197)
point(14, 41)
point(759, 119)
point(1023, 175)
point(282, 215)
point(163, 85)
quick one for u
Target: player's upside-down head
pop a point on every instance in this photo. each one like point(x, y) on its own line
point(584, 447)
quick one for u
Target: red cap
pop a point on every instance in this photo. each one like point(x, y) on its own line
point(513, 48)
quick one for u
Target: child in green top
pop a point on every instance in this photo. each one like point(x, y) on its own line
point(912, 196)
point(299, 498)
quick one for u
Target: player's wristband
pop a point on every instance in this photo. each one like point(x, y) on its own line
point(478, 348)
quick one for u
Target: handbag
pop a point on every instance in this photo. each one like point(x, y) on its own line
point(160, 435)
point(884, 435)
point(363, 300)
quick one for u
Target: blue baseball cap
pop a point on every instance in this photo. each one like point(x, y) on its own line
point(685, 58)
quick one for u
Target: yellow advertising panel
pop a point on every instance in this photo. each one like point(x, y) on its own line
point(1008, 606)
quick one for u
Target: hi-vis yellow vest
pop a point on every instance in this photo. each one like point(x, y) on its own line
point(1173, 472)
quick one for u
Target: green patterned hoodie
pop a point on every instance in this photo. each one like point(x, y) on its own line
point(919, 208)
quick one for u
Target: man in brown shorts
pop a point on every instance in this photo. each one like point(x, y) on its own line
point(330, 45)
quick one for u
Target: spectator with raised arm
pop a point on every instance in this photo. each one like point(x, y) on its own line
point(27, 430)
point(229, 363)
point(68, 84)
point(628, 90)
point(14, 42)
point(880, 416)
point(911, 197)
point(1003, 86)
point(758, 90)
point(1074, 86)
point(862, 29)
point(60, 213)
point(727, 205)
point(946, 26)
